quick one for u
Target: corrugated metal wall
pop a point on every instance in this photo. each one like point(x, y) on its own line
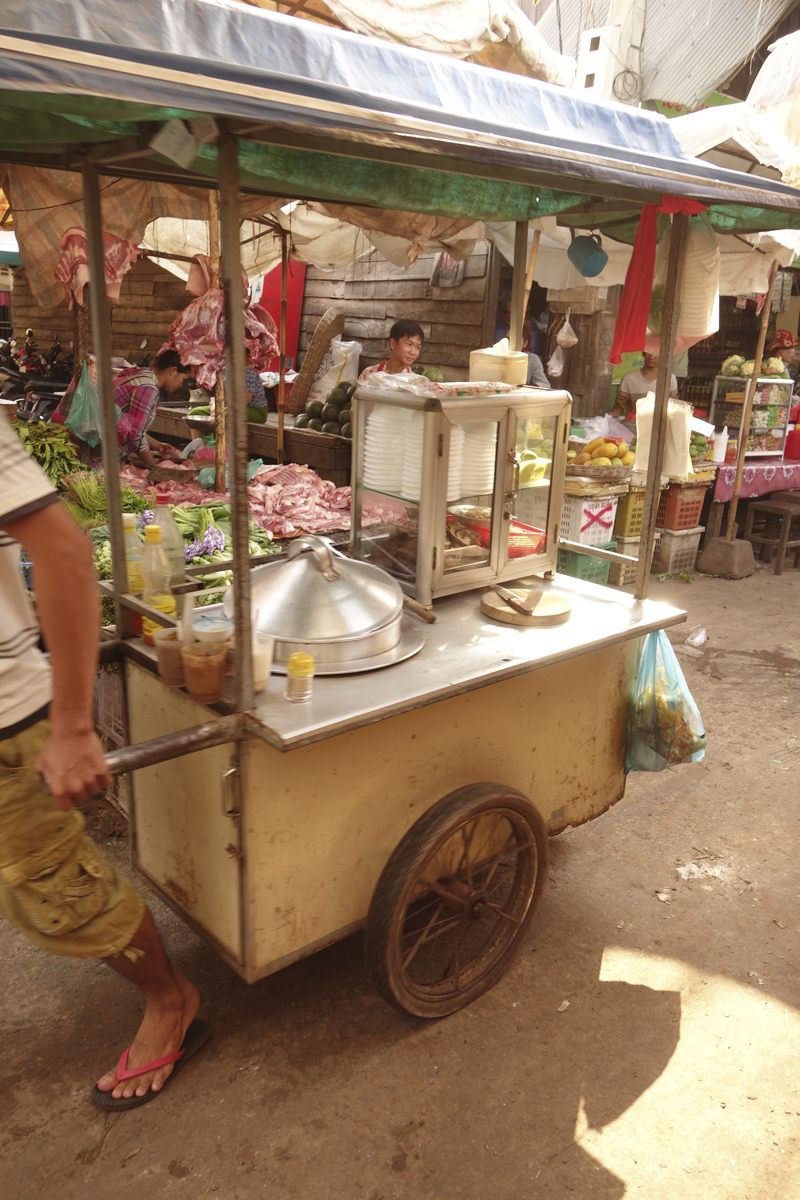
point(691, 47)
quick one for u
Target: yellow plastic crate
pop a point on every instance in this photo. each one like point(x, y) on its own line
point(630, 513)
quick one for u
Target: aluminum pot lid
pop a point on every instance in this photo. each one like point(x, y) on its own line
point(318, 593)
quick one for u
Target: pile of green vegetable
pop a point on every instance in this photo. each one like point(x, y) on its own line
point(85, 498)
point(698, 446)
point(206, 529)
point(51, 446)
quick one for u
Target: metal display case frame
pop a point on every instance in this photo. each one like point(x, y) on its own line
point(431, 578)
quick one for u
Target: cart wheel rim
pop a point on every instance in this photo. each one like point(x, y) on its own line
point(453, 925)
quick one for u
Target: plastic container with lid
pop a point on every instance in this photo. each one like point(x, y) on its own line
point(299, 678)
point(499, 364)
point(720, 446)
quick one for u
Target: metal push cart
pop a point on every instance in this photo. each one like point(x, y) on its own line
point(276, 829)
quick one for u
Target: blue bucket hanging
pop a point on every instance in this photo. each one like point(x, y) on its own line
point(587, 255)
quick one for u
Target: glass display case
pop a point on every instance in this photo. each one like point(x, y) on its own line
point(770, 416)
point(455, 493)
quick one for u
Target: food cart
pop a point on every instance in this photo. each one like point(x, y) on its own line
point(411, 796)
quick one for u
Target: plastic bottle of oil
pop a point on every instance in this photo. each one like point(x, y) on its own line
point(171, 540)
point(156, 573)
point(133, 552)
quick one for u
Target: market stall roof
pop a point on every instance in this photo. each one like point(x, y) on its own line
point(336, 116)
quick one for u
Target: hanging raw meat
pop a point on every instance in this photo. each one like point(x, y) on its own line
point(198, 335)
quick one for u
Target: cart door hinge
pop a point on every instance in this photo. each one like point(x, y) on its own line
point(566, 434)
point(441, 444)
point(232, 852)
point(434, 558)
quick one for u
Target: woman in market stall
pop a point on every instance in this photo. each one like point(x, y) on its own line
point(136, 394)
point(784, 346)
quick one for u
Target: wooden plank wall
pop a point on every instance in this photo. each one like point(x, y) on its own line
point(150, 298)
point(373, 294)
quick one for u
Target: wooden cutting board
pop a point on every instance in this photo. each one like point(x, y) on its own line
point(549, 608)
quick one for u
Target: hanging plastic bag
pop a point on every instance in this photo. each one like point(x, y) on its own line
point(664, 723)
point(83, 418)
point(566, 335)
point(677, 461)
point(698, 313)
point(556, 363)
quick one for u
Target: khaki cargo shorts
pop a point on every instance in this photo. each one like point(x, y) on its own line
point(55, 885)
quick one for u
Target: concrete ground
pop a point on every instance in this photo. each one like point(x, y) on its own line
point(670, 926)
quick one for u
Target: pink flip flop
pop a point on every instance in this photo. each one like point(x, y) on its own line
point(197, 1035)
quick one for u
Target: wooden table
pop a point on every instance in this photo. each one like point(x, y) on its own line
point(326, 453)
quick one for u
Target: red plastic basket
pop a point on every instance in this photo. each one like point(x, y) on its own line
point(680, 506)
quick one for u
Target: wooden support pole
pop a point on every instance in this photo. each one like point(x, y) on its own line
point(537, 233)
point(230, 224)
point(655, 461)
point(282, 342)
point(747, 407)
point(220, 483)
point(101, 336)
point(518, 284)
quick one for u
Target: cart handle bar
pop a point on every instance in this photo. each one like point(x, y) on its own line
point(176, 745)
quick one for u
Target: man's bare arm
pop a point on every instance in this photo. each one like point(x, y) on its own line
point(66, 597)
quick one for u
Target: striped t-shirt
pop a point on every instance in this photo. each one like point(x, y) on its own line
point(25, 685)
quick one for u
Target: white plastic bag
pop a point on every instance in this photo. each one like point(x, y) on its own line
point(677, 460)
point(340, 365)
point(556, 363)
point(566, 335)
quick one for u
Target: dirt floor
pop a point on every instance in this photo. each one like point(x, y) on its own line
point(669, 925)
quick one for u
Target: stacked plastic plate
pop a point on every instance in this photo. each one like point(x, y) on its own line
point(456, 466)
point(411, 486)
point(477, 470)
point(384, 444)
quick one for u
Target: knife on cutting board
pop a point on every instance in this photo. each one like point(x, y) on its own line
point(521, 606)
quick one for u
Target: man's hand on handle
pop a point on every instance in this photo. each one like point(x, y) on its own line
point(73, 767)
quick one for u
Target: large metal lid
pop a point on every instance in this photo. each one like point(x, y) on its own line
point(318, 594)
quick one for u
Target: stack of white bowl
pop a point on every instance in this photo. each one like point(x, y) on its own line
point(384, 442)
point(480, 448)
point(456, 465)
point(411, 486)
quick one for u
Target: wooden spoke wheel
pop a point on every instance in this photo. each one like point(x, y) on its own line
point(455, 899)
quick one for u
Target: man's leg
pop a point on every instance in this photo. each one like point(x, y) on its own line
point(171, 1004)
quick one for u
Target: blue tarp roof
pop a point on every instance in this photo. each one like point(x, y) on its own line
point(87, 70)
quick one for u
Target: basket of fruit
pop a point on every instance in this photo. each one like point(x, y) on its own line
point(331, 415)
point(610, 459)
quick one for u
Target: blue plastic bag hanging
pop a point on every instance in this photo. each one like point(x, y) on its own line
point(83, 418)
point(664, 723)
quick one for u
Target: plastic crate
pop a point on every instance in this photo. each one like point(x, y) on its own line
point(676, 551)
point(585, 566)
point(681, 505)
point(588, 519)
point(110, 717)
point(623, 574)
point(630, 513)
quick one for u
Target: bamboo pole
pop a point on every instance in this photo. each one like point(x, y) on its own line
point(230, 224)
point(282, 342)
point(219, 386)
point(518, 284)
point(537, 233)
point(655, 461)
point(101, 336)
point(747, 407)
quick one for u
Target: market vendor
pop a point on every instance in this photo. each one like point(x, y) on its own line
point(536, 376)
point(784, 346)
point(637, 384)
point(405, 346)
point(136, 394)
point(254, 394)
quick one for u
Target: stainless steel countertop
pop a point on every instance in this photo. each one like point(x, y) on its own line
point(464, 650)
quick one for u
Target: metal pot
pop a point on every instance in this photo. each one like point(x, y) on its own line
point(322, 603)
